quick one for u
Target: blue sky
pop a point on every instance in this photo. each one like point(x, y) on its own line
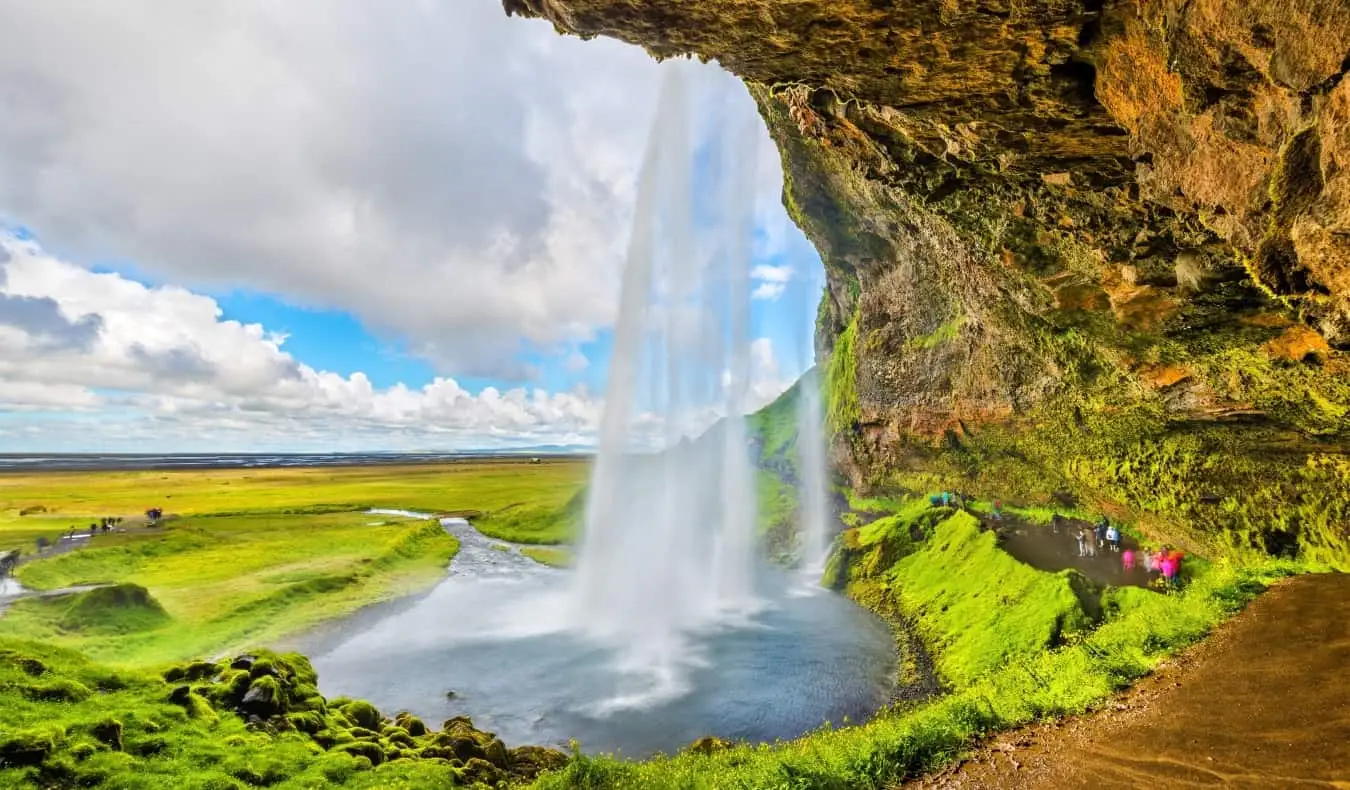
point(412, 239)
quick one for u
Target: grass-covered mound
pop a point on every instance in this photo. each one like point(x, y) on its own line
point(255, 721)
point(205, 584)
point(116, 609)
point(1016, 646)
point(978, 606)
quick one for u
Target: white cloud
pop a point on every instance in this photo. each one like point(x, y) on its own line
point(771, 281)
point(163, 369)
point(768, 291)
point(434, 167)
point(163, 364)
point(451, 176)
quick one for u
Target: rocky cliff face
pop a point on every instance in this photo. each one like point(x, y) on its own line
point(1091, 249)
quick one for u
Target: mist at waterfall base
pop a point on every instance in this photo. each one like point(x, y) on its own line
point(670, 627)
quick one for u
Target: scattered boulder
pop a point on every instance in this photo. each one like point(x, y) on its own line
point(708, 745)
point(109, 733)
point(496, 753)
point(411, 723)
point(26, 747)
point(366, 749)
point(264, 698)
point(527, 762)
point(363, 714)
point(197, 670)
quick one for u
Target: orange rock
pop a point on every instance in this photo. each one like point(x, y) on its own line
point(1081, 296)
point(1164, 376)
point(1298, 343)
point(1142, 307)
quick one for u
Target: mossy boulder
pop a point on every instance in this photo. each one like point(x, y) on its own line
point(366, 749)
point(108, 732)
point(193, 672)
point(29, 665)
point(411, 723)
point(527, 762)
point(707, 746)
point(307, 722)
point(27, 747)
point(363, 714)
point(56, 690)
point(264, 698)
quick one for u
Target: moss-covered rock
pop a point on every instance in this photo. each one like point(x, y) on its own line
point(27, 747)
point(366, 749)
point(363, 714)
point(108, 732)
point(411, 723)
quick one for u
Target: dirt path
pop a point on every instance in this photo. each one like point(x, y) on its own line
point(1263, 703)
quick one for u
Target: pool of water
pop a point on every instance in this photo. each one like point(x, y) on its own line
point(493, 641)
point(1052, 548)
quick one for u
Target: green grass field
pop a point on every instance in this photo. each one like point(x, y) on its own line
point(74, 499)
point(250, 555)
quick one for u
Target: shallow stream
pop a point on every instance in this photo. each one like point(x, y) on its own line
point(493, 641)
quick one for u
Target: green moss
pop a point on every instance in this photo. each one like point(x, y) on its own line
point(945, 333)
point(841, 382)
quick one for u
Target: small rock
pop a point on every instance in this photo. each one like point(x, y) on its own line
point(243, 662)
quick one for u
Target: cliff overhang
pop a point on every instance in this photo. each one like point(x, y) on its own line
point(1092, 249)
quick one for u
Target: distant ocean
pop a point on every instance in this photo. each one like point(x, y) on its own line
point(92, 461)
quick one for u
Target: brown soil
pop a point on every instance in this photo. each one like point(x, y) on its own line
point(1263, 703)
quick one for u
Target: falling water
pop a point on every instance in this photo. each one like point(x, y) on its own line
point(668, 546)
point(813, 478)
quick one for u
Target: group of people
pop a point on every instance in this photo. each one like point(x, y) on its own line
point(1166, 562)
point(1101, 536)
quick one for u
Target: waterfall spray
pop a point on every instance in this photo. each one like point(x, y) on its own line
point(668, 545)
point(814, 477)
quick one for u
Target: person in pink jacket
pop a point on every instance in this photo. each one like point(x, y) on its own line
point(1169, 568)
point(1127, 558)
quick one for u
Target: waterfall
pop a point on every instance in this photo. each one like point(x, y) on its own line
point(667, 550)
point(813, 477)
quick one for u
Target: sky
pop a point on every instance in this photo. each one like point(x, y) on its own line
point(332, 225)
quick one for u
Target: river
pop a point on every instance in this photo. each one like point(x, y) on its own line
point(492, 641)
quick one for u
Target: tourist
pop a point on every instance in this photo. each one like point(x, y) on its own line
point(1113, 537)
point(1091, 539)
point(1177, 557)
point(1082, 544)
point(946, 499)
point(1127, 559)
point(1168, 564)
point(1056, 521)
point(1101, 532)
point(998, 510)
